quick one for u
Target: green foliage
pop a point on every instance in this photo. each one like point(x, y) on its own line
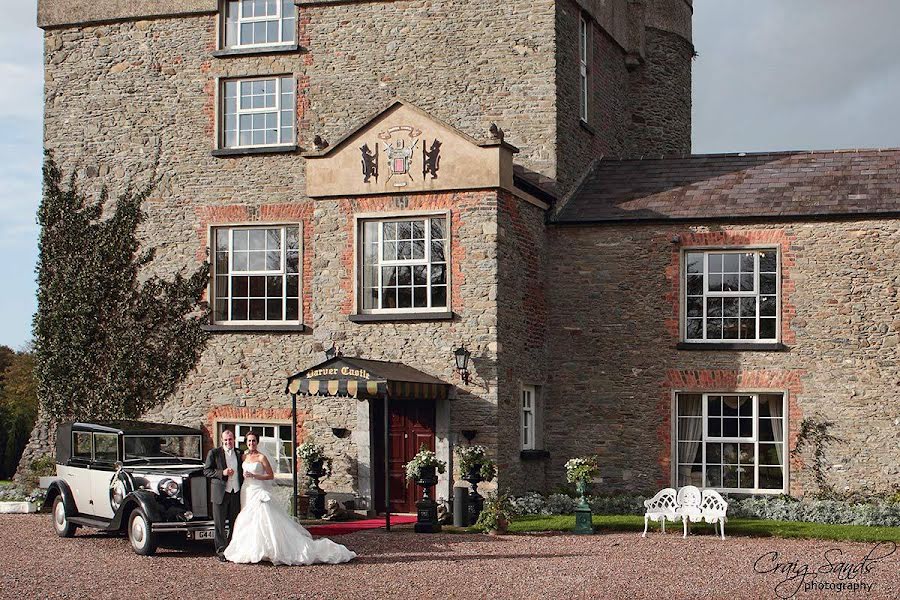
point(495, 514)
point(474, 458)
point(424, 458)
point(582, 469)
point(309, 452)
point(816, 433)
point(109, 341)
point(18, 407)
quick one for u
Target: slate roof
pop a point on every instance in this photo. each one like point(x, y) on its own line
point(783, 184)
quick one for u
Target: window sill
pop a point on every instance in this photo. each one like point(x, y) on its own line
point(279, 49)
point(255, 328)
point(389, 317)
point(534, 454)
point(223, 152)
point(584, 125)
point(766, 347)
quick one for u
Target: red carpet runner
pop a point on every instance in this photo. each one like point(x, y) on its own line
point(353, 526)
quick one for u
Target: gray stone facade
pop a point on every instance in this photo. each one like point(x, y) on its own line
point(584, 313)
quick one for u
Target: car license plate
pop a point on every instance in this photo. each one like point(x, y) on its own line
point(203, 535)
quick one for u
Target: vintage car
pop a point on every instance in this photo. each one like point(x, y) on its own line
point(142, 478)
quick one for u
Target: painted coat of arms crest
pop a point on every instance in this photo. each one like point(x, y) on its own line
point(400, 145)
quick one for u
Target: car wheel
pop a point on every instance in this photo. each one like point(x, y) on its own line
point(61, 524)
point(143, 541)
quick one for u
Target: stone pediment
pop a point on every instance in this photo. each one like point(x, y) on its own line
point(403, 150)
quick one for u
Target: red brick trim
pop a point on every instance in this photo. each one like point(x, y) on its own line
point(775, 237)
point(708, 380)
point(460, 204)
point(294, 212)
point(249, 415)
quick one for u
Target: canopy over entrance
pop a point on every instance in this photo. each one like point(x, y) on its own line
point(352, 377)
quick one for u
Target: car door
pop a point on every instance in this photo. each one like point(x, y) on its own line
point(77, 473)
point(106, 453)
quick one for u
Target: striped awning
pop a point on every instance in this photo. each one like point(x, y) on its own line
point(352, 377)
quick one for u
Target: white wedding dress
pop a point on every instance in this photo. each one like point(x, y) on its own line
point(263, 531)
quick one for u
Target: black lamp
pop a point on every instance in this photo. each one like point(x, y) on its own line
point(462, 362)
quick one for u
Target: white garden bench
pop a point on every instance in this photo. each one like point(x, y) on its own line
point(689, 505)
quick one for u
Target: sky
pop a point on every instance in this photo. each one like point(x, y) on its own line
point(770, 75)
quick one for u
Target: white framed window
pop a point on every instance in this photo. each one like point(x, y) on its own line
point(584, 40)
point(275, 441)
point(529, 414)
point(259, 23)
point(731, 295)
point(256, 274)
point(733, 442)
point(258, 112)
point(405, 264)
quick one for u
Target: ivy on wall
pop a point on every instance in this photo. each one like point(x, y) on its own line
point(109, 342)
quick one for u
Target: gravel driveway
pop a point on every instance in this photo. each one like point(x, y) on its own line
point(402, 564)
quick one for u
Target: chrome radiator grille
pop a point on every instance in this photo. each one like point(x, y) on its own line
point(199, 496)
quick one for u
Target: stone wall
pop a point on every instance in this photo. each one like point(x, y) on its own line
point(522, 322)
point(614, 363)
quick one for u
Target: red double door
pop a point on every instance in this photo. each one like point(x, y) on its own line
point(411, 427)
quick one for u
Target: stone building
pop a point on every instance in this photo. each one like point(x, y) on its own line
point(396, 180)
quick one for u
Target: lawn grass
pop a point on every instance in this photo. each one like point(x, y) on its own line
point(742, 527)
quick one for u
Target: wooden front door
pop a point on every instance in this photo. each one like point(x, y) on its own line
point(411, 426)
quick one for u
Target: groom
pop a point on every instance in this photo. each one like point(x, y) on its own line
point(226, 475)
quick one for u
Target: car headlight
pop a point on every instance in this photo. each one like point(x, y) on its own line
point(169, 487)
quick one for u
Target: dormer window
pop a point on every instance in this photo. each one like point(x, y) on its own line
point(250, 23)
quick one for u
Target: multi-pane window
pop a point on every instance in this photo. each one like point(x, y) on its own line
point(528, 420)
point(258, 112)
point(731, 295)
point(275, 441)
point(731, 442)
point(404, 264)
point(259, 22)
point(583, 43)
point(257, 274)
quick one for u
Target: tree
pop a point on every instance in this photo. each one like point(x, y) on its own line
point(110, 342)
point(18, 410)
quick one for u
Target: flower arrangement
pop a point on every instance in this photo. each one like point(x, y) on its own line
point(310, 452)
point(425, 458)
point(495, 515)
point(582, 469)
point(474, 458)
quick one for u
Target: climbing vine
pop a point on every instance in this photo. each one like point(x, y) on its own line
point(110, 342)
point(815, 432)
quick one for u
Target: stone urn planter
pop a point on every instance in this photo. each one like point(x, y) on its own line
point(426, 508)
point(316, 495)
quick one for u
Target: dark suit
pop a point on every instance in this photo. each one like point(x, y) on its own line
point(225, 505)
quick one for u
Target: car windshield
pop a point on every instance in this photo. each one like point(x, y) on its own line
point(162, 446)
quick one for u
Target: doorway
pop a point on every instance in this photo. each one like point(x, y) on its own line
point(412, 425)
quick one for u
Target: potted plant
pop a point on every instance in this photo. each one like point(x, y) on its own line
point(581, 471)
point(423, 469)
point(494, 517)
point(475, 467)
point(317, 466)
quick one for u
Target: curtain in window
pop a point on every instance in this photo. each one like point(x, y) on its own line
point(690, 431)
point(775, 409)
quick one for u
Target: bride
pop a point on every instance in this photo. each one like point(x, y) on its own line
point(263, 531)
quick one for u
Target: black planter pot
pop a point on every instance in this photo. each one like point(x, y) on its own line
point(316, 495)
point(476, 502)
point(426, 508)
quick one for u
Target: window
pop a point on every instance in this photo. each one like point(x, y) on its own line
point(404, 265)
point(257, 274)
point(584, 34)
point(259, 22)
point(258, 112)
point(731, 295)
point(731, 442)
point(275, 441)
point(81, 445)
point(106, 447)
point(529, 397)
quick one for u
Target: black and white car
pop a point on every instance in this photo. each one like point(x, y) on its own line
point(145, 479)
